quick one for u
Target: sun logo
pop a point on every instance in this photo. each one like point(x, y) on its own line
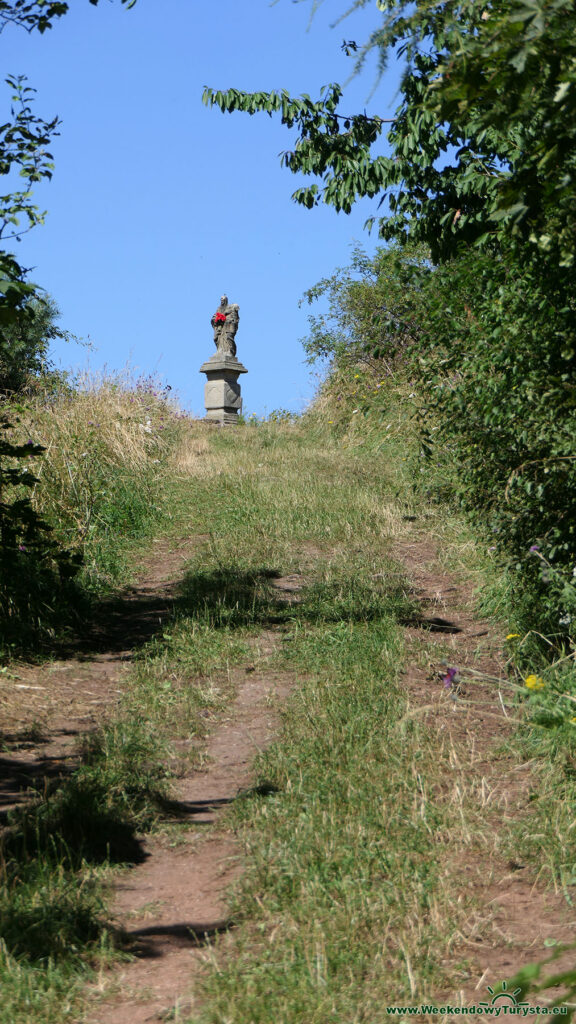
point(503, 997)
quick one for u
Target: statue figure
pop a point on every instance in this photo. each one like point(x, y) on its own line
point(225, 323)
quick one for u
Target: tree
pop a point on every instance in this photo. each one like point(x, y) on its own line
point(481, 168)
point(24, 361)
point(483, 144)
point(37, 14)
point(31, 565)
point(23, 150)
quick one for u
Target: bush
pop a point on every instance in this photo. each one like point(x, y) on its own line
point(496, 361)
point(488, 343)
point(24, 344)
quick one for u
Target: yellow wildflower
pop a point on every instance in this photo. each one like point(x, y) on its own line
point(573, 720)
point(535, 682)
point(512, 636)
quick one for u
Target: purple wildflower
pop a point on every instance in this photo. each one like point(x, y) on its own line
point(535, 547)
point(450, 677)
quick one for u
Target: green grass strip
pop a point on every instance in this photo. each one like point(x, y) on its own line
point(343, 902)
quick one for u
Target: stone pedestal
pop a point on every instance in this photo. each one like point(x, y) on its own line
point(222, 390)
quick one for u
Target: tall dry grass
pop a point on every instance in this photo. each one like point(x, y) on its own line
point(109, 428)
point(100, 448)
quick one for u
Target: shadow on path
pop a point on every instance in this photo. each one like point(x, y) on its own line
point(157, 940)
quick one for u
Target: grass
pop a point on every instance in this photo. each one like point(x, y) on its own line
point(347, 903)
point(347, 899)
point(55, 859)
point(264, 502)
point(98, 485)
point(56, 855)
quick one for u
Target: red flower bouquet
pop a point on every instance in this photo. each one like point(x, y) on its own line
point(219, 318)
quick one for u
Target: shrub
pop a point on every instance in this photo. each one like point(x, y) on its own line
point(488, 343)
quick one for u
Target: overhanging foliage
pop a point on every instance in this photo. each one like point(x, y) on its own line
point(483, 144)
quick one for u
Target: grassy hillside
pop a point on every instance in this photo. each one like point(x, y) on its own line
point(347, 903)
point(95, 478)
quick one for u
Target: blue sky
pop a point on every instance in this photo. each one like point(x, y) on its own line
point(159, 204)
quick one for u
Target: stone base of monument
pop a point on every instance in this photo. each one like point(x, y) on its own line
point(222, 390)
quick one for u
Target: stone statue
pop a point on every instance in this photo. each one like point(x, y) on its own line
point(222, 389)
point(225, 323)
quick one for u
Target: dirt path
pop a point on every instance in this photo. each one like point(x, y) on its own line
point(174, 904)
point(171, 906)
point(513, 920)
point(45, 710)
